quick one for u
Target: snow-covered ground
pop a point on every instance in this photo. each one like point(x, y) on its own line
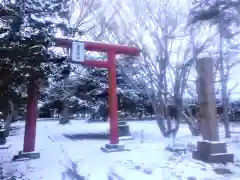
point(68, 152)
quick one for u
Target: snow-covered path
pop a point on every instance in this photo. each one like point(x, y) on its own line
point(63, 153)
point(47, 167)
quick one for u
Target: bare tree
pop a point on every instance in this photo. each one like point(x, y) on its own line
point(225, 15)
point(171, 62)
point(226, 64)
point(157, 23)
point(162, 34)
point(164, 29)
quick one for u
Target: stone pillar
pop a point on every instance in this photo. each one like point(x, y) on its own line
point(210, 149)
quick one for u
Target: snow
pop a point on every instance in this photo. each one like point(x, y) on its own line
point(213, 142)
point(68, 151)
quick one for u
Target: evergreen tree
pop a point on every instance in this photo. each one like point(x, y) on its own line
point(28, 31)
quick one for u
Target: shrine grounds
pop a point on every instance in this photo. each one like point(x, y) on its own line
point(73, 151)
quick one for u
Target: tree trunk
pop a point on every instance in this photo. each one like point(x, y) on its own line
point(164, 125)
point(51, 113)
point(8, 116)
point(15, 113)
point(65, 111)
point(65, 114)
point(7, 120)
point(164, 129)
point(224, 92)
point(193, 124)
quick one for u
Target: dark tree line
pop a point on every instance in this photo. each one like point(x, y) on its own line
point(93, 90)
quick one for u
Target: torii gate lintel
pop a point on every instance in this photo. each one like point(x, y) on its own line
point(100, 47)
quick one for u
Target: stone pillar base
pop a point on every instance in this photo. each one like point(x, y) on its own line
point(213, 152)
point(123, 129)
point(114, 148)
point(26, 156)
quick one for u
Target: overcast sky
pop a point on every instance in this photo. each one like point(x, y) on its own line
point(183, 5)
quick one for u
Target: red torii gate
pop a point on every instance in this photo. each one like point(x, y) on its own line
point(112, 50)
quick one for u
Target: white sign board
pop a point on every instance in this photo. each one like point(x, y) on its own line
point(77, 51)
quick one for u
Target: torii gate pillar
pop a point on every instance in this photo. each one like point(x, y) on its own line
point(112, 102)
point(30, 124)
